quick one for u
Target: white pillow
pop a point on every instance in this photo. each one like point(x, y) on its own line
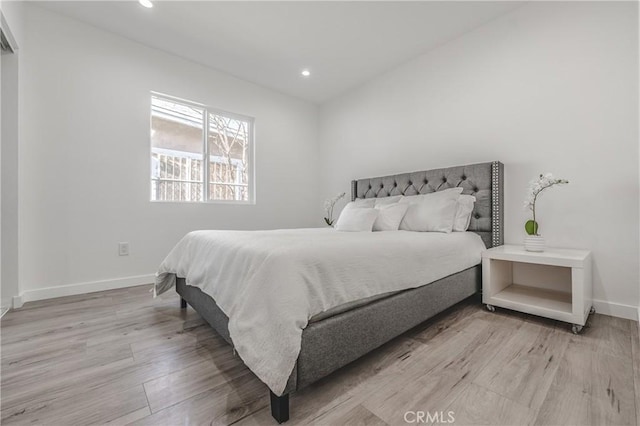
point(417, 198)
point(361, 202)
point(387, 200)
point(389, 216)
point(433, 212)
point(463, 212)
point(357, 219)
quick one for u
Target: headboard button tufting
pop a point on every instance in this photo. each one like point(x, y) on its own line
point(484, 181)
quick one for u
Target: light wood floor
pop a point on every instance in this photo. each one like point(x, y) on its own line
point(120, 357)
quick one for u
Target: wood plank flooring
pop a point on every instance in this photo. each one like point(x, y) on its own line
point(120, 357)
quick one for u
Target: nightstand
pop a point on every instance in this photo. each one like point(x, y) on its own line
point(554, 284)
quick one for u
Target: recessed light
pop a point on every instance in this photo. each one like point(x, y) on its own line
point(305, 73)
point(146, 3)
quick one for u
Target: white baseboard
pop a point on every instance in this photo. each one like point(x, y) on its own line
point(17, 302)
point(616, 309)
point(80, 288)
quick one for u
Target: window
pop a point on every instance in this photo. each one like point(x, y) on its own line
point(184, 133)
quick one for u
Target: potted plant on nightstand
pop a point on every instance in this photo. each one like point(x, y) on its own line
point(534, 241)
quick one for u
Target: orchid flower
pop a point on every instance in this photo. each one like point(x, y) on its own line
point(329, 205)
point(536, 187)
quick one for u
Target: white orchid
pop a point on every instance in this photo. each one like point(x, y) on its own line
point(329, 205)
point(536, 187)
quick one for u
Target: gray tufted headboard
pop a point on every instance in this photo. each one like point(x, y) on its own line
point(485, 181)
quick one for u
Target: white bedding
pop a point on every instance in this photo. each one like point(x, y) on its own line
point(270, 283)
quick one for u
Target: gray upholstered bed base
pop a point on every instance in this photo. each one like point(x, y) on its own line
point(335, 341)
point(338, 340)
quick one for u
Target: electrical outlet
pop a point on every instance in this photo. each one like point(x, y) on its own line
point(123, 249)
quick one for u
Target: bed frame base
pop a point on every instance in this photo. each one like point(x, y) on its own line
point(280, 407)
point(350, 331)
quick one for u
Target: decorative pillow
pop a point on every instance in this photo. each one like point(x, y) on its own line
point(387, 200)
point(389, 216)
point(433, 212)
point(463, 212)
point(357, 219)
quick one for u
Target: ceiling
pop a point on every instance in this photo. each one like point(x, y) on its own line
point(343, 44)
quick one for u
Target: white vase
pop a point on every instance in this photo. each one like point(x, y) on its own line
point(534, 243)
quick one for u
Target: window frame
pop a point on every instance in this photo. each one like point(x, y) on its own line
point(206, 155)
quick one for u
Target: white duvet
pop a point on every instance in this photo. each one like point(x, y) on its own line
point(270, 283)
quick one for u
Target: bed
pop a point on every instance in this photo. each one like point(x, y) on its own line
point(333, 338)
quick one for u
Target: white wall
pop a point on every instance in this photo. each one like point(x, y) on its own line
point(12, 12)
point(549, 87)
point(84, 157)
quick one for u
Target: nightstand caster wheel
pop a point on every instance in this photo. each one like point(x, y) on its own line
point(575, 329)
point(592, 310)
point(491, 308)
